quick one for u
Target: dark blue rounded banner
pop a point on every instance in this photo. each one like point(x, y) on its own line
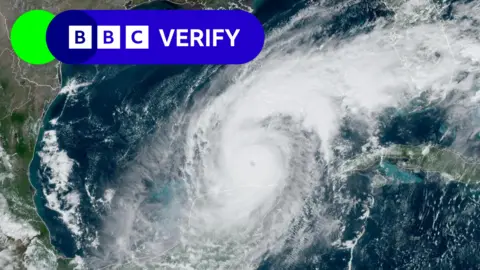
point(155, 37)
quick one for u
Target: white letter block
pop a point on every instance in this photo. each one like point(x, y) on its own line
point(79, 37)
point(136, 37)
point(108, 37)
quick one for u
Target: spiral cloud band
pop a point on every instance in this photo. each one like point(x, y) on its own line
point(249, 158)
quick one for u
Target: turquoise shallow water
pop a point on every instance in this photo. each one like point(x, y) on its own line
point(393, 172)
point(101, 125)
point(105, 137)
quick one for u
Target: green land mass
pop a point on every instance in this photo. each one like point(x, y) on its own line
point(25, 92)
point(427, 158)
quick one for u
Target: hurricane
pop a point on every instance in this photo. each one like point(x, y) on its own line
point(228, 167)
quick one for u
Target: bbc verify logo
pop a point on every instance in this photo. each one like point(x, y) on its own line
point(155, 37)
point(136, 37)
point(108, 37)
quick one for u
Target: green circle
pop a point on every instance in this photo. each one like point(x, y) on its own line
point(29, 37)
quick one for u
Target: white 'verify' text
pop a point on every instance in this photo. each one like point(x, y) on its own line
point(198, 37)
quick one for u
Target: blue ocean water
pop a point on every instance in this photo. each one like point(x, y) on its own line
point(417, 223)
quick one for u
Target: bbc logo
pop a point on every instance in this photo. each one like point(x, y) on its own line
point(108, 37)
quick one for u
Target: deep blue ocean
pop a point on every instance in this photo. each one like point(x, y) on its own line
point(417, 222)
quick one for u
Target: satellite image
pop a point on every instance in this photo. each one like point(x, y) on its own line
point(352, 141)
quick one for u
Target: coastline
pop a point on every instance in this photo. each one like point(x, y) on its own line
point(49, 217)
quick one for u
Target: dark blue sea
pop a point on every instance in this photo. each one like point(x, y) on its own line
point(106, 113)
